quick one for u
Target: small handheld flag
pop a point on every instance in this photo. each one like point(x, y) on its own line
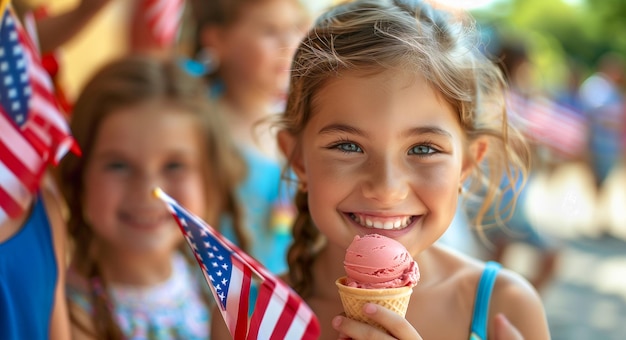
point(33, 132)
point(279, 313)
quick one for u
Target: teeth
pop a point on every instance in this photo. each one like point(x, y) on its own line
point(388, 224)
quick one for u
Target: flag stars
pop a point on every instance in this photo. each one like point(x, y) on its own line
point(219, 273)
point(218, 287)
point(222, 296)
point(17, 50)
point(224, 281)
point(225, 266)
point(214, 264)
point(19, 118)
point(207, 245)
point(220, 257)
point(4, 66)
point(211, 255)
point(8, 80)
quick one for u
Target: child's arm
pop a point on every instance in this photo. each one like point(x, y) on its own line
point(56, 30)
point(516, 299)
point(59, 320)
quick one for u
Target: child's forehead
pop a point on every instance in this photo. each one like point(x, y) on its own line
point(385, 90)
point(384, 79)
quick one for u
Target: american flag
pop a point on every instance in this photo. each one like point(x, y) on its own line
point(33, 132)
point(163, 19)
point(279, 313)
point(549, 123)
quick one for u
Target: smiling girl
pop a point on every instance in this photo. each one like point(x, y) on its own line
point(392, 110)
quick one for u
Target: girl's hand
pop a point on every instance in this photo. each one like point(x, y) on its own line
point(505, 330)
point(397, 327)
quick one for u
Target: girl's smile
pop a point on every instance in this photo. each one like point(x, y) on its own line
point(149, 221)
point(382, 222)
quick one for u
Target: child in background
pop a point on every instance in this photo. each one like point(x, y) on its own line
point(392, 108)
point(143, 123)
point(246, 48)
point(32, 270)
point(32, 245)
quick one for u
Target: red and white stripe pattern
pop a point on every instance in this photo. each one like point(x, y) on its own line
point(33, 132)
point(279, 313)
point(163, 19)
point(547, 123)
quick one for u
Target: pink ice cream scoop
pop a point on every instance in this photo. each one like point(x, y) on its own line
point(376, 261)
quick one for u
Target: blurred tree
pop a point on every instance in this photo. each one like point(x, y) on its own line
point(557, 31)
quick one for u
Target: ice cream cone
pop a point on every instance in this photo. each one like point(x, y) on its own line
point(353, 299)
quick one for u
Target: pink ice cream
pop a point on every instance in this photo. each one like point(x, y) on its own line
point(376, 261)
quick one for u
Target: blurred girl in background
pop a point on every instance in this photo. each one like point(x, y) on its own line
point(142, 124)
point(245, 48)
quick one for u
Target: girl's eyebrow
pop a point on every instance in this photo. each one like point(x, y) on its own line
point(420, 130)
point(334, 128)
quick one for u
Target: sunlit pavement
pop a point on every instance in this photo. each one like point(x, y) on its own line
point(587, 299)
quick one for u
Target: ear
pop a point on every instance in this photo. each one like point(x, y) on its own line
point(289, 146)
point(475, 154)
point(212, 37)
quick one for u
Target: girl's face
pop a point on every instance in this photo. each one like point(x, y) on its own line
point(255, 52)
point(381, 154)
point(136, 150)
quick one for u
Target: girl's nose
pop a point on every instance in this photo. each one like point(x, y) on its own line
point(387, 183)
point(142, 186)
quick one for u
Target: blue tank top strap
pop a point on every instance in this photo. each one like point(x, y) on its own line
point(481, 304)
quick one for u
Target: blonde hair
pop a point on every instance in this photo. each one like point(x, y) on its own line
point(125, 83)
point(377, 35)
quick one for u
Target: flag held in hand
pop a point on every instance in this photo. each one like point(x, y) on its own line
point(33, 133)
point(279, 313)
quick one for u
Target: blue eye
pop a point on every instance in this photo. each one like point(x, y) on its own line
point(116, 166)
point(421, 150)
point(348, 147)
point(173, 165)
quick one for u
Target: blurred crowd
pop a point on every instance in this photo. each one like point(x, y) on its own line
point(230, 59)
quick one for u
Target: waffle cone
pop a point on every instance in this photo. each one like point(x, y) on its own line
point(353, 299)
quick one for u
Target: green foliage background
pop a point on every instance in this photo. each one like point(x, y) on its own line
point(559, 33)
